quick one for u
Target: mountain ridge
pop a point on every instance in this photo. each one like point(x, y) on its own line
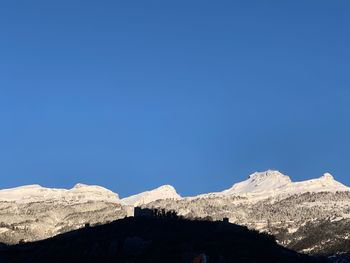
point(267, 201)
point(273, 183)
point(79, 193)
point(258, 185)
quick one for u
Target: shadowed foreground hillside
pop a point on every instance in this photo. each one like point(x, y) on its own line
point(155, 240)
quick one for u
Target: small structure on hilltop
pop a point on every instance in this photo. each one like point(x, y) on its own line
point(226, 220)
point(155, 213)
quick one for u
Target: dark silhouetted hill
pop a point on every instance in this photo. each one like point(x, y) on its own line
point(155, 240)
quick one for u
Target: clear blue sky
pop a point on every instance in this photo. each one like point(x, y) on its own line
point(198, 94)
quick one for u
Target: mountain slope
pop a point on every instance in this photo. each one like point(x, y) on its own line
point(325, 183)
point(40, 220)
point(33, 212)
point(292, 219)
point(263, 182)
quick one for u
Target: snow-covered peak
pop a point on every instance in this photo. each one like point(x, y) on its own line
point(165, 187)
point(273, 183)
point(162, 192)
point(80, 193)
point(325, 183)
point(94, 193)
point(260, 182)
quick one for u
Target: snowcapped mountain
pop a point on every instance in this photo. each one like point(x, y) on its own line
point(325, 183)
point(294, 212)
point(162, 192)
point(267, 201)
point(260, 185)
point(34, 212)
point(80, 193)
point(263, 182)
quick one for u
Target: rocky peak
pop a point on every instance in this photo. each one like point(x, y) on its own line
point(327, 176)
point(269, 174)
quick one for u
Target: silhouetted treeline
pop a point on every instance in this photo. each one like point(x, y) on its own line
point(155, 239)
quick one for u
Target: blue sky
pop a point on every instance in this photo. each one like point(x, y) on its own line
point(198, 94)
